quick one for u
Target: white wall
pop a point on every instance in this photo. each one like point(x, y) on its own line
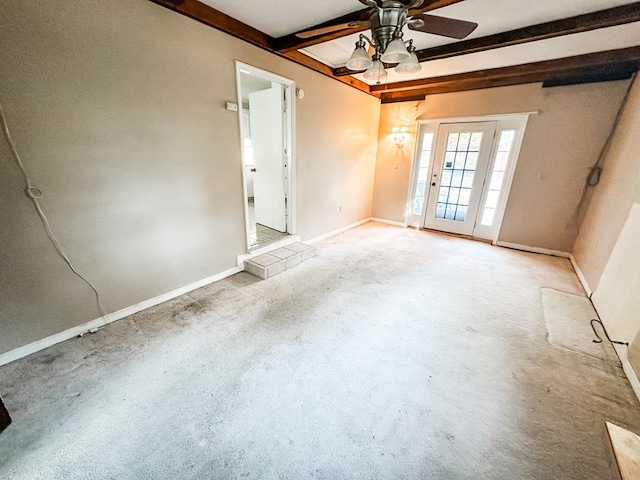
point(118, 110)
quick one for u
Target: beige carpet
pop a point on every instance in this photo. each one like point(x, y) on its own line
point(394, 354)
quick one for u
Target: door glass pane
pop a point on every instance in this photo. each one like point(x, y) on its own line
point(458, 171)
point(467, 180)
point(476, 139)
point(465, 193)
point(461, 158)
point(452, 142)
point(456, 178)
point(463, 142)
point(497, 176)
point(444, 194)
point(423, 172)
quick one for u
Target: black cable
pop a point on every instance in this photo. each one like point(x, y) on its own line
point(595, 173)
point(599, 340)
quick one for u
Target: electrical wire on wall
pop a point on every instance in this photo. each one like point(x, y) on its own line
point(593, 178)
point(35, 194)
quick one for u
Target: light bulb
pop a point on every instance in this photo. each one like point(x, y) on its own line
point(359, 59)
point(410, 65)
point(396, 52)
point(376, 72)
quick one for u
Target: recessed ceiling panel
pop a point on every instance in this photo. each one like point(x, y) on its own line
point(604, 39)
point(492, 16)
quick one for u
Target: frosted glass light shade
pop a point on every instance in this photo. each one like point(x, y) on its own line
point(376, 72)
point(410, 65)
point(359, 60)
point(396, 52)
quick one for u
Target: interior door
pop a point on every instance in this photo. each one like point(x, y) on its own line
point(460, 164)
point(266, 110)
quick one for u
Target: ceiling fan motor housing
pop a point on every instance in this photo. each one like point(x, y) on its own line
point(386, 21)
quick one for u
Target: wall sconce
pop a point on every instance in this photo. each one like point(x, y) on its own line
point(400, 136)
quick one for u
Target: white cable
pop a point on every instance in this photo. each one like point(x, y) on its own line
point(34, 193)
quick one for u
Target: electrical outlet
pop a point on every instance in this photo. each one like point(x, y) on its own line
point(232, 107)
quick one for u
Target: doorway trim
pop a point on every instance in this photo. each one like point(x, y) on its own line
point(520, 120)
point(289, 87)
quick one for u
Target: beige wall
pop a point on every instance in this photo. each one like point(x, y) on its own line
point(560, 145)
point(617, 297)
point(608, 247)
point(118, 110)
point(612, 199)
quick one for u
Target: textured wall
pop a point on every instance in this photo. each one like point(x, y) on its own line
point(612, 199)
point(118, 110)
point(608, 247)
point(560, 144)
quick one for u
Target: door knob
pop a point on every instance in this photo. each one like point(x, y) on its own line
point(433, 184)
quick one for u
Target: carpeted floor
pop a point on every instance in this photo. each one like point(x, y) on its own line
point(394, 354)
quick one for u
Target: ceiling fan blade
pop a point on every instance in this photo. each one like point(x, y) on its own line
point(443, 26)
point(331, 28)
point(372, 3)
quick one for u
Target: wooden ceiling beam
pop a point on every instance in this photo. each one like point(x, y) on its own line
point(302, 59)
point(600, 66)
point(221, 21)
point(581, 23)
point(291, 42)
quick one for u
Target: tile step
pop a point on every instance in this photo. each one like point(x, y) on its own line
point(275, 262)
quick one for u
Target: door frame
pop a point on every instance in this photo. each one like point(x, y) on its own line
point(516, 121)
point(289, 87)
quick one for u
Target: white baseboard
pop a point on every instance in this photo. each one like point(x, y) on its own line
point(339, 230)
point(622, 351)
point(527, 248)
point(581, 277)
point(388, 222)
point(93, 325)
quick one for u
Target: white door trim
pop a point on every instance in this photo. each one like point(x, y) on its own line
point(289, 87)
point(505, 121)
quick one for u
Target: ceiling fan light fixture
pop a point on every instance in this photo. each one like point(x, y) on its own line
point(396, 52)
point(359, 59)
point(410, 65)
point(376, 71)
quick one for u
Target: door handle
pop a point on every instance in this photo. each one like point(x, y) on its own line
point(253, 170)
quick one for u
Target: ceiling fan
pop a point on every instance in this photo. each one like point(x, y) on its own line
point(387, 18)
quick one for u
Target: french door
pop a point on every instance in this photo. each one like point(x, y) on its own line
point(462, 174)
point(460, 165)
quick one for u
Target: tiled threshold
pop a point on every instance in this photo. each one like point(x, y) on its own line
point(277, 261)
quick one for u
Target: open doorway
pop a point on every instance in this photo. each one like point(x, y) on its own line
point(266, 123)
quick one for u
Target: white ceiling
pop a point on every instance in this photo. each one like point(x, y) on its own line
point(279, 17)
